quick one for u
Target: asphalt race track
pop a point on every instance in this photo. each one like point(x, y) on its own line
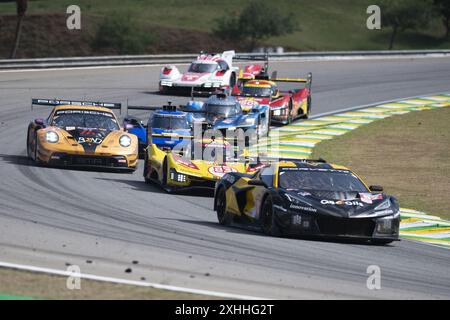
point(103, 221)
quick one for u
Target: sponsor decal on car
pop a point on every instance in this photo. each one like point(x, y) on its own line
point(342, 202)
point(369, 198)
point(220, 171)
point(248, 103)
point(297, 207)
point(82, 140)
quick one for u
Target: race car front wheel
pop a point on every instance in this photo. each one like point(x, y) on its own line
point(232, 81)
point(164, 177)
point(268, 222)
point(29, 149)
point(146, 178)
point(223, 216)
point(32, 151)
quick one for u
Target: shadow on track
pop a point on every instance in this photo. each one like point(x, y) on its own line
point(18, 160)
point(155, 188)
point(25, 161)
point(252, 229)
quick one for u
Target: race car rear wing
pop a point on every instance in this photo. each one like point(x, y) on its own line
point(243, 57)
point(167, 107)
point(262, 57)
point(57, 102)
point(307, 80)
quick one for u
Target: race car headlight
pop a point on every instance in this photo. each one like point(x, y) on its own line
point(387, 224)
point(250, 121)
point(125, 141)
point(52, 137)
point(179, 177)
point(383, 206)
point(295, 201)
point(291, 199)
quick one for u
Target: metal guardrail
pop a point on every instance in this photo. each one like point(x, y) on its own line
point(43, 63)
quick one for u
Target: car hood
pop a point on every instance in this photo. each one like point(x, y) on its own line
point(194, 77)
point(341, 204)
point(248, 103)
point(88, 138)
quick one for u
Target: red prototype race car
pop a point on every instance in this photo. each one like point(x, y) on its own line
point(256, 87)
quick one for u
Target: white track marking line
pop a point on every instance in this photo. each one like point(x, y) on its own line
point(128, 282)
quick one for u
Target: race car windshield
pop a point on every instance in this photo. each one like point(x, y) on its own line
point(170, 123)
point(202, 67)
point(257, 92)
point(337, 181)
point(85, 119)
point(217, 112)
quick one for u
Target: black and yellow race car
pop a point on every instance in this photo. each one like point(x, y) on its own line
point(81, 134)
point(308, 197)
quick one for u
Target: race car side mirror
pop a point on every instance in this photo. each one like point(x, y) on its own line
point(39, 122)
point(256, 182)
point(376, 188)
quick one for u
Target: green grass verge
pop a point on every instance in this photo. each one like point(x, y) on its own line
point(324, 24)
point(407, 154)
point(23, 285)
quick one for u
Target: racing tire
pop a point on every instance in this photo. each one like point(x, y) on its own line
point(308, 109)
point(162, 89)
point(232, 81)
point(146, 179)
point(35, 151)
point(289, 118)
point(223, 216)
point(269, 224)
point(164, 177)
point(29, 152)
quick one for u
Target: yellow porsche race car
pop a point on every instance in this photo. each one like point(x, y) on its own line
point(192, 164)
point(81, 134)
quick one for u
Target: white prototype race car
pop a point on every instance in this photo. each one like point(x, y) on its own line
point(209, 72)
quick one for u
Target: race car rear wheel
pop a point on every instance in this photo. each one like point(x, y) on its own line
point(308, 108)
point(290, 117)
point(223, 216)
point(268, 222)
